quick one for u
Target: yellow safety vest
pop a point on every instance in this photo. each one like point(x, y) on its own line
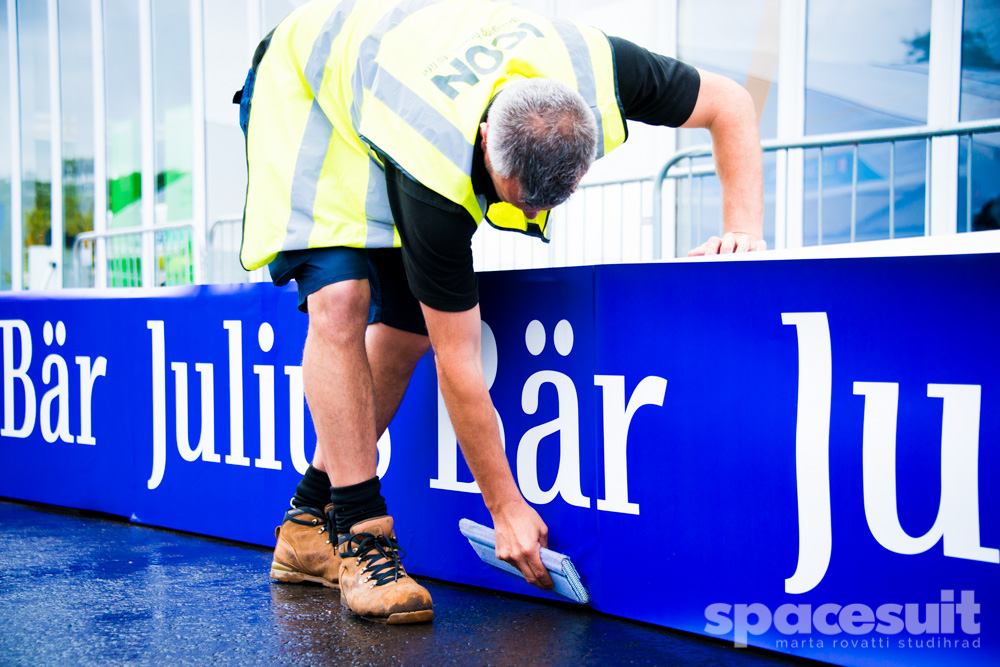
point(344, 80)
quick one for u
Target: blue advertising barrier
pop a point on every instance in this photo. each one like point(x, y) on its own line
point(795, 455)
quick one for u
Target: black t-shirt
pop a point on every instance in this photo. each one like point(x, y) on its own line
point(436, 233)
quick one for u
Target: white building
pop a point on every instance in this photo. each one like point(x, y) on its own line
point(136, 96)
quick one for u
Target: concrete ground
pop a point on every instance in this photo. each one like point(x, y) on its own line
point(83, 589)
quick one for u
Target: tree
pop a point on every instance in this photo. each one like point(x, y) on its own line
point(78, 216)
point(975, 50)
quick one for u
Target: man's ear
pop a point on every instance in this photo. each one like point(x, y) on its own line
point(483, 127)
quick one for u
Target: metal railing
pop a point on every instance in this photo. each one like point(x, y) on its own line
point(223, 257)
point(620, 211)
point(115, 258)
point(672, 170)
point(604, 222)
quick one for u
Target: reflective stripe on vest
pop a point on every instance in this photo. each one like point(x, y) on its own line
point(410, 78)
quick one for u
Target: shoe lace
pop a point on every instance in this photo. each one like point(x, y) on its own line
point(326, 520)
point(371, 549)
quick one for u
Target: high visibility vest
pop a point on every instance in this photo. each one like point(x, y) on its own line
point(345, 81)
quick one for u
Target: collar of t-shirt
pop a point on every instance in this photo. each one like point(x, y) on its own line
point(482, 184)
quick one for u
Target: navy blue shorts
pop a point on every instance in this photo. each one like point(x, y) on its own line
point(391, 303)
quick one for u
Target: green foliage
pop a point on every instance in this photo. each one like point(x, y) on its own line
point(76, 216)
point(79, 217)
point(38, 221)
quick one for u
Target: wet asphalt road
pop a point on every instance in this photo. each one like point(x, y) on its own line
point(84, 589)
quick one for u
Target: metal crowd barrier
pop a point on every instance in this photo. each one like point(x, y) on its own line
point(604, 222)
point(673, 170)
point(624, 220)
point(617, 219)
point(115, 258)
point(223, 257)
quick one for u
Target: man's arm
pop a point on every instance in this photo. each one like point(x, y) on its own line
point(437, 256)
point(455, 338)
point(658, 90)
point(727, 111)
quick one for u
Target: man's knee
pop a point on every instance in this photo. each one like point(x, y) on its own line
point(339, 312)
point(400, 350)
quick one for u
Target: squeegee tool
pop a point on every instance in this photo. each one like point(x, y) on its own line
point(564, 575)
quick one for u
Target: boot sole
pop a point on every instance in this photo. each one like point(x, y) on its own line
point(399, 618)
point(422, 616)
point(284, 574)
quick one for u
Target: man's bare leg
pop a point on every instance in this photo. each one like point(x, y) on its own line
point(341, 394)
point(392, 356)
point(338, 382)
point(338, 386)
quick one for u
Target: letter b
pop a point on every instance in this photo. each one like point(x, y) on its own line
point(10, 373)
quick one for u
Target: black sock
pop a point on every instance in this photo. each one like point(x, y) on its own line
point(313, 490)
point(358, 502)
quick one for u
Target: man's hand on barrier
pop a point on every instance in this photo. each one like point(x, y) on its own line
point(730, 243)
point(520, 532)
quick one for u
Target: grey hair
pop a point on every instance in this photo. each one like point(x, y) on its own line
point(542, 134)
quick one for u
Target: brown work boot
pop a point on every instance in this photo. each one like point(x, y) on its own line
point(305, 550)
point(373, 583)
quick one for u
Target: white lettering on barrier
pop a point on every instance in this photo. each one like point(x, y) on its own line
point(54, 401)
point(159, 394)
point(812, 447)
point(205, 450)
point(567, 427)
point(59, 394)
point(206, 439)
point(20, 373)
point(296, 419)
point(88, 375)
point(235, 455)
point(265, 382)
point(383, 451)
point(957, 522)
point(447, 477)
point(617, 419)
